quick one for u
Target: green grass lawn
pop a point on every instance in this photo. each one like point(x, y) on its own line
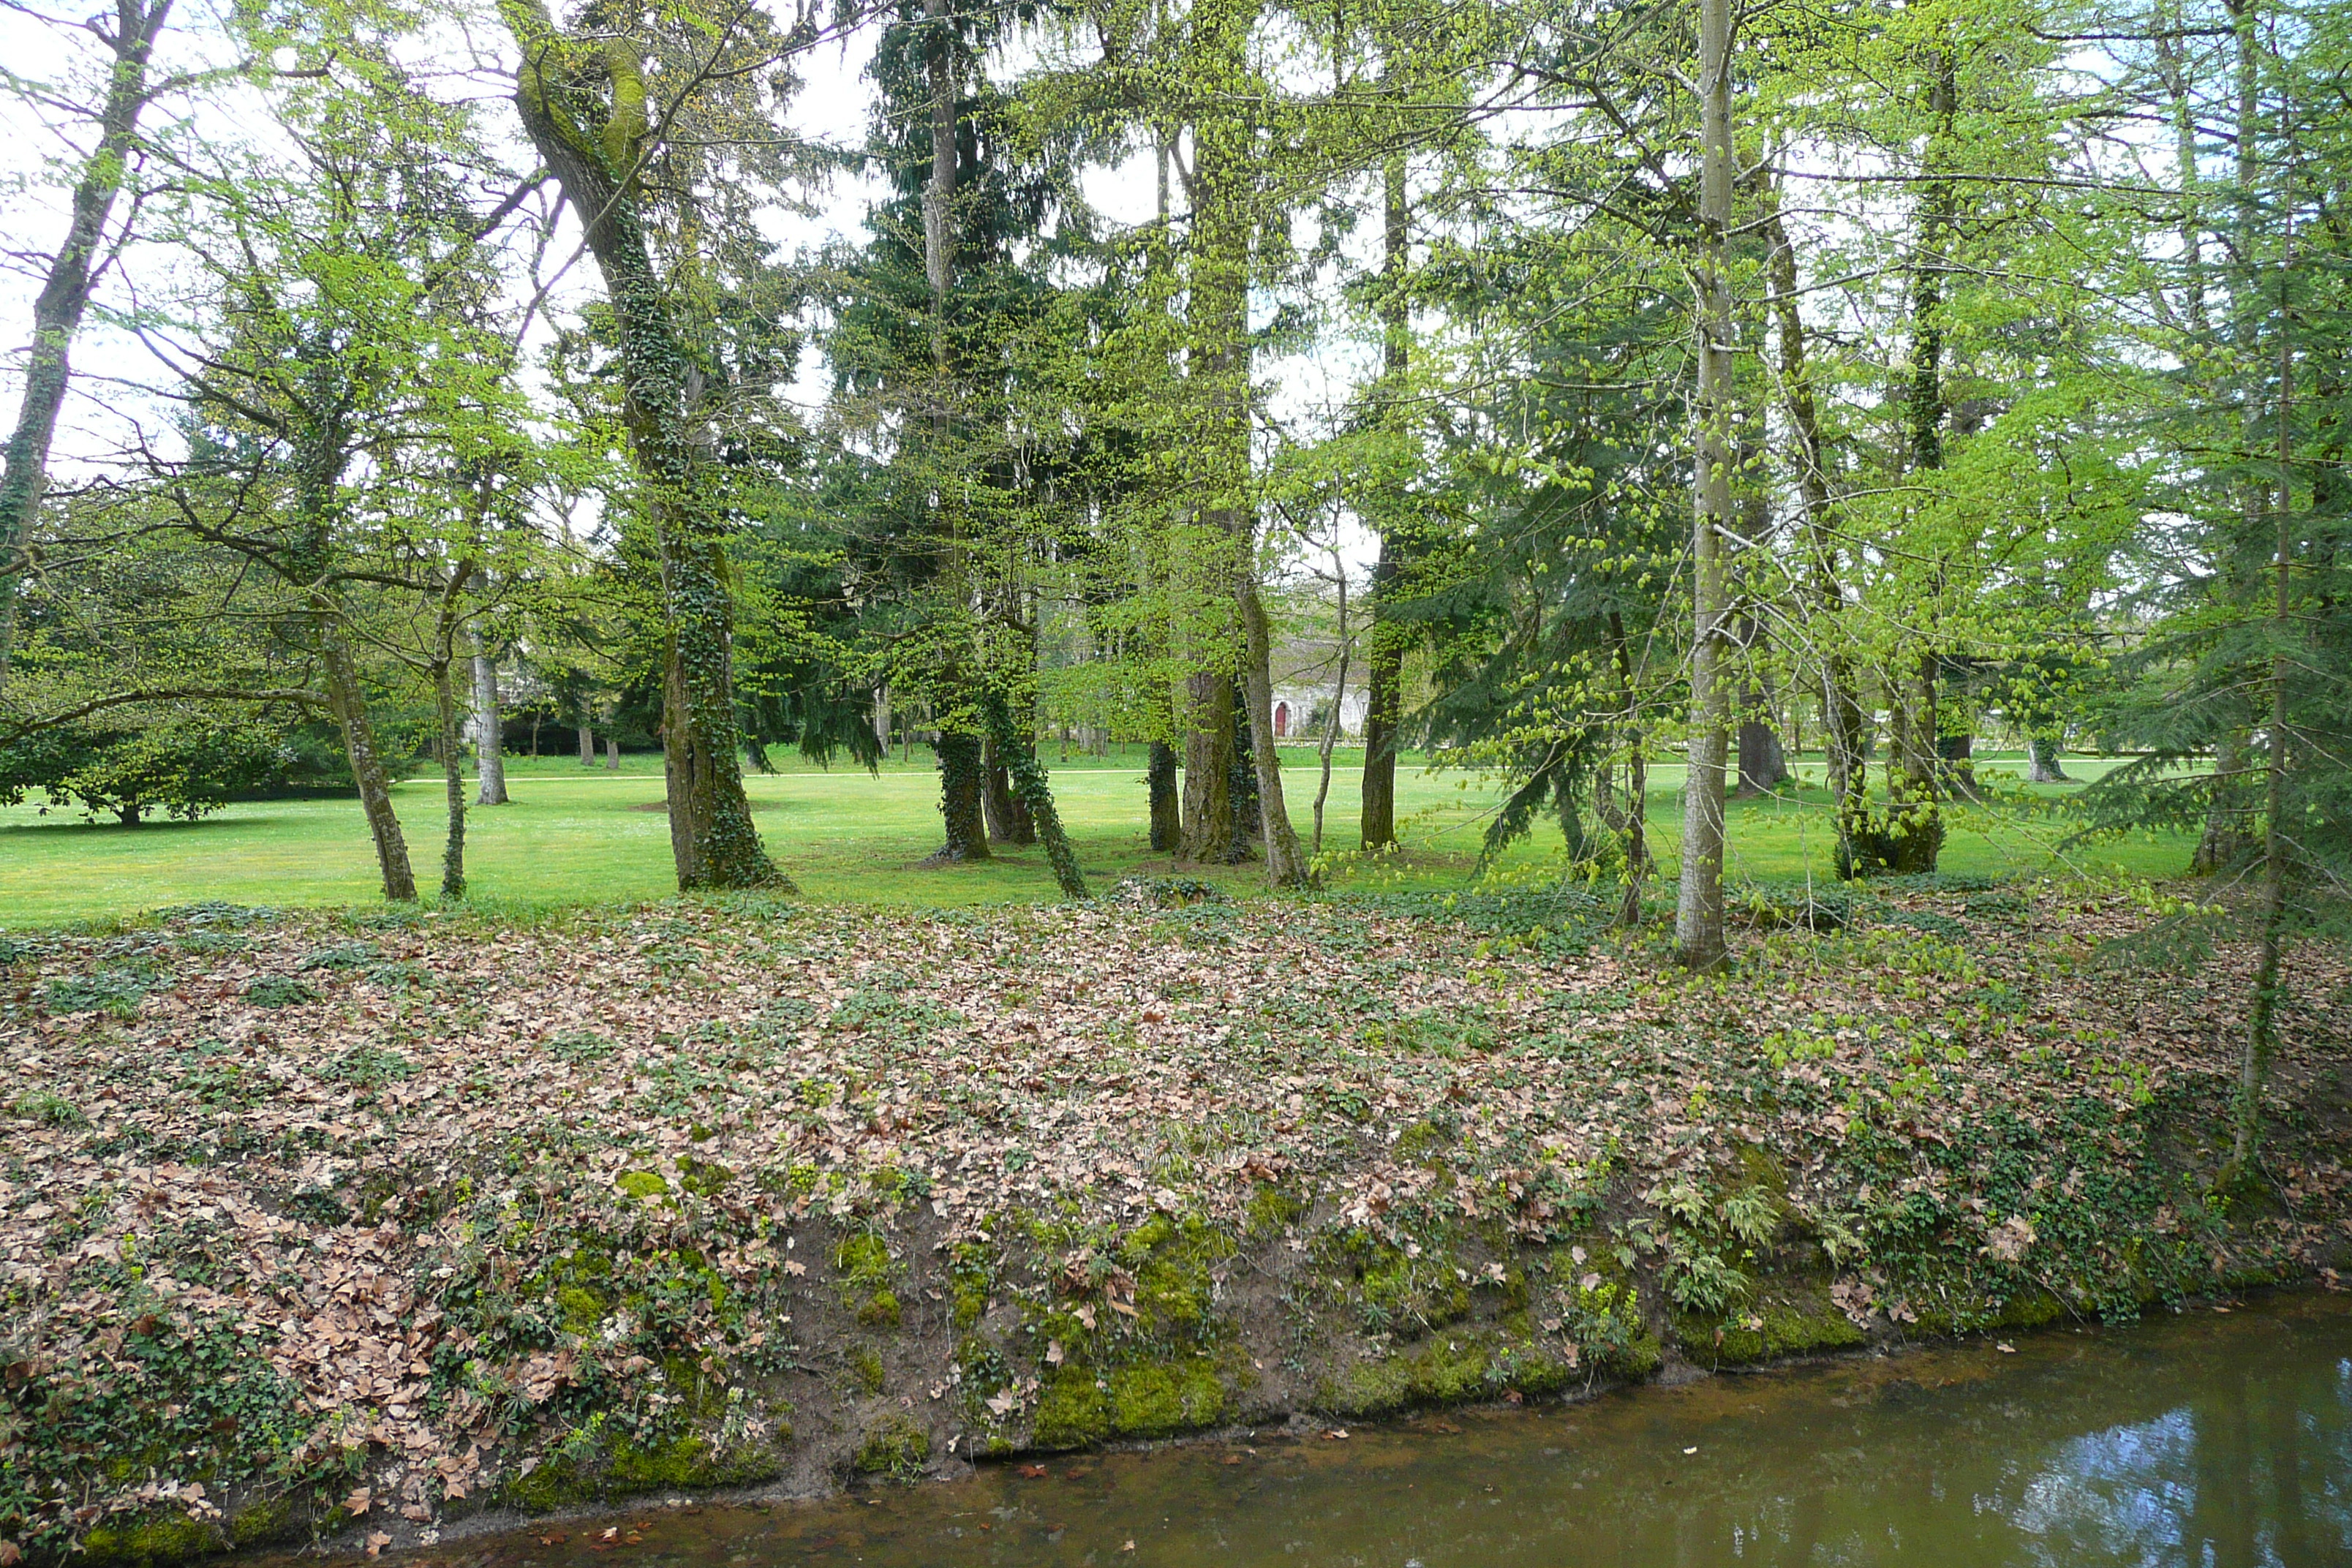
point(574, 835)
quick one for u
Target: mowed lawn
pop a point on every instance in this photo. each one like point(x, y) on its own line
point(574, 835)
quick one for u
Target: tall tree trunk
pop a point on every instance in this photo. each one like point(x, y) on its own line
point(613, 753)
point(349, 705)
point(713, 843)
point(1384, 655)
point(1286, 866)
point(1630, 820)
point(66, 293)
point(1339, 702)
point(2262, 1022)
point(882, 718)
point(452, 750)
point(1167, 812)
point(1824, 605)
point(587, 736)
point(1914, 771)
point(489, 730)
point(1699, 904)
point(964, 771)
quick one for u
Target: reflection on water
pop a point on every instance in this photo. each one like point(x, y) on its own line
point(2207, 1441)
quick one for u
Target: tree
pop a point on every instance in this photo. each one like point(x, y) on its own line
point(72, 279)
point(587, 105)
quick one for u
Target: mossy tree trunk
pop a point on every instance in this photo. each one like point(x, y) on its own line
point(1916, 770)
point(961, 813)
point(1167, 813)
point(584, 106)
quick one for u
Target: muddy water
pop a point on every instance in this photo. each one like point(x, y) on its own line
point(2219, 1439)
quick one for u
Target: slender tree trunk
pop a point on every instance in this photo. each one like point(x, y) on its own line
point(1339, 702)
point(1167, 812)
point(882, 719)
point(452, 750)
point(1630, 820)
point(1286, 866)
point(348, 706)
point(1384, 658)
point(587, 736)
point(66, 293)
point(489, 730)
point(1698, 905)
point(1825, 604)
point(712, 840)
point(2262, 1024)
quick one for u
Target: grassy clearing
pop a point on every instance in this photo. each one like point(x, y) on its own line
point(574, 835)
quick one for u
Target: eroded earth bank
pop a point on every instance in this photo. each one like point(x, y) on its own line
point(366, 1225)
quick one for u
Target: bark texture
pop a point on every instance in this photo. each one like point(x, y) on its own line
point(1698, 903)
point(490, 730)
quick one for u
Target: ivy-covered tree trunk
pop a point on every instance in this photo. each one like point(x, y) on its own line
point(1167, 813)
point(1009, 821)
point(1915, 768)
point(65, 295)
point(1823, 605)
point(960, 809)
point(1029, 789)
point(2043, 749)
point(583, 103)
point(2270, 981)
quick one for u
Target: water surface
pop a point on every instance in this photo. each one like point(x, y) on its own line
point(2217, 1440)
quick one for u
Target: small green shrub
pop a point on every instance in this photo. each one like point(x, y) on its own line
point(278, 991)
point(50, 1109)
point(116, 993)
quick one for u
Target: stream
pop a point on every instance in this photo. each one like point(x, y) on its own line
point(2207, 1439)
